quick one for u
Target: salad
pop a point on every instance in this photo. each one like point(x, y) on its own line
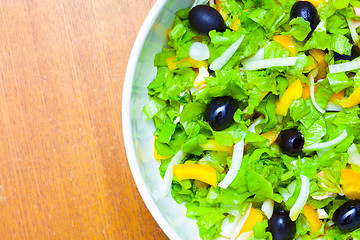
point(256, 110)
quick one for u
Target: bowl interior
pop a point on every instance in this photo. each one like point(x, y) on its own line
point(138, 130)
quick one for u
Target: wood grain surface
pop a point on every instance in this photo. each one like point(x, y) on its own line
point(63, 168)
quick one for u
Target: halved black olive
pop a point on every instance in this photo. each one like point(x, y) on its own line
point(307, 11)
point(281, 226)
point(220, 112)
point(355, 53)
point(347, 216)
point(291, 141)
point(205, 18)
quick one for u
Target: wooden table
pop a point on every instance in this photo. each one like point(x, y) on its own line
point(63, 168)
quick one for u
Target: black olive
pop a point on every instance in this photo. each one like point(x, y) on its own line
point(220, 112)
point(205, 18)
point(307, 11)
point(281, 226)
point(291, 141)
point(355, 52)
point(347, 216)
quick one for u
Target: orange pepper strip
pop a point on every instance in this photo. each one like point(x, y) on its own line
point(350, 183)
point(218, 5)
point(306, 91)
point(352, 100)
point(254, 217)
point(272, 135)
point(316, 3)
point(287, 43)
point(293, 92)
point(199, 172)
point(337, 96)
point(312, 217)
point(213, 145)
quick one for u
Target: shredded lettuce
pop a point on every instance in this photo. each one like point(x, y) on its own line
point(248, 65)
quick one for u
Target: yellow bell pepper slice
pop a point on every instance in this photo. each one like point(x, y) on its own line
point(197, 64)
point(199, 172)
point(320, 58)
point(350, 183)
point(312, 217)
point(172, 65)
point(315, 65)
point(213, 145)
point(272, 135)
point(287, 43)
point(254, 217)
point(235, 25)
point(158, 156)
point(352, 100)
point(317, 54)
point(293, 92)
point(316, 3)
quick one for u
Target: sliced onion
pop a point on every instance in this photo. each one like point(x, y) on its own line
point(255, 123)
point(200, 79)
point(312, 94)
point(259, 55)
point(345, 67)
point(267, 63)
point(227, 227)
point(219, 62)
point(325, 145)
point(166, 185)
point(354, 35)
point(322, 214)
point(330, 223)
point(235, 164)
point(199, 51)
point(245, 235)
point(177, 120)
point(332, 107)
point(356, 23)
point(268, 207)
point(301, 200)
point(325, 196)
point(241, 223)
point(354, 155)
point(357, 12)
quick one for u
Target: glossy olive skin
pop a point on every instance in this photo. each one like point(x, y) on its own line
point(204, 18)
point(355, 52)
point(347, 216)
point(307, 11)
point(281, 226)
point(291, 142)
point(220, 112)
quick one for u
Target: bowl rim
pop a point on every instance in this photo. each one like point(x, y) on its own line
point(126, 121)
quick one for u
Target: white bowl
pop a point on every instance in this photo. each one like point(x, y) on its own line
point(138, 131)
